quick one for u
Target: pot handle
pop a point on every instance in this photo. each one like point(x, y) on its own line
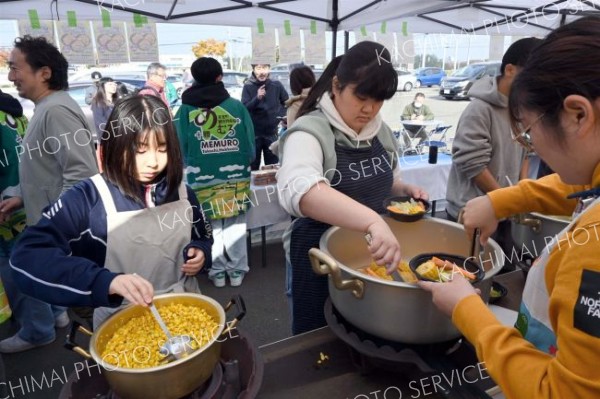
point(324, 264)
point(70, 340)
point(239, 303)
point(533, 223)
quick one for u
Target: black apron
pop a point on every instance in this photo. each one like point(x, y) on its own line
point(364, 182)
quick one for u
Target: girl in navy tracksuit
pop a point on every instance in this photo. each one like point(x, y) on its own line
point(131, 232)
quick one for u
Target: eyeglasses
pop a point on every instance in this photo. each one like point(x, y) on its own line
point(524, 137)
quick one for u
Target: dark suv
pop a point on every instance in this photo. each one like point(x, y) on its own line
point(458, 84)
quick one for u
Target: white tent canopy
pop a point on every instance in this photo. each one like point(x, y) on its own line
point(514, 17)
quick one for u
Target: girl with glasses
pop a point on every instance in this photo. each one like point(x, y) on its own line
point(553, 351)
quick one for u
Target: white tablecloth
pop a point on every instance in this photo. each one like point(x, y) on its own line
point(433, 178)
point(415, 169)
point(408, 124)
point(265, 209)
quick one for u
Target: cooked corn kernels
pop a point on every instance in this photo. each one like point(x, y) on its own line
point(138, 342)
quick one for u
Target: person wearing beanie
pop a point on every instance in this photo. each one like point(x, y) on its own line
point(484, 155)
point(265, 100)
point(217, 142)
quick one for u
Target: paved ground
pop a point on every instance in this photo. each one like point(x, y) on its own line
point(447, 111)
point(267, 319)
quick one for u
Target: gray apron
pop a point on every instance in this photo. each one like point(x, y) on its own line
point(148, 242)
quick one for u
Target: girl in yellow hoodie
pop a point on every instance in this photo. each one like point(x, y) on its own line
point(554, 349)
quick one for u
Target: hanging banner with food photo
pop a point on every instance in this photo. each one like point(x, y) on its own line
point(386, 38)
point(263, 43)
point(289, 43)
point(143, 40)
point(314, 45)
point(34, 27)
point(75, 40)
point(111, 42)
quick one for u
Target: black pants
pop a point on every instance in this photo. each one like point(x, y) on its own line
point(262, 149)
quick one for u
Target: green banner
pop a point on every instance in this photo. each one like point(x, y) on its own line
point(106, 19)
point(260, 25)
point(137, 20)
point(287, 27)
point(313, 27)
point(384, 27)
point(34, 19)
point(72, 19)
point(405, 28)
point(363, 31)
point(144, 19)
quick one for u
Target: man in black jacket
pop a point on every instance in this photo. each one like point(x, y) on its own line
point(265, 100)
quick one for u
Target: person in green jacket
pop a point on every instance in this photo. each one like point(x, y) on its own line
point(12, 128)
point(171, 93)
point(217, 141)
point(417, 111)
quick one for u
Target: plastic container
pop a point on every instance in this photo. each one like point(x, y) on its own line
point(5, 311)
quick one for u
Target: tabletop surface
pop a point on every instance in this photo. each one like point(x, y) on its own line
point(422, 123)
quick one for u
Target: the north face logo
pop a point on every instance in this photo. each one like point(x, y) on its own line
point(587, 308)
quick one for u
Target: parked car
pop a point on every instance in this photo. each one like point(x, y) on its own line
point(233, 81)
point(281, 72)
point(429, 76)
point(406, 81)
point(457, 85)
point(77, 90)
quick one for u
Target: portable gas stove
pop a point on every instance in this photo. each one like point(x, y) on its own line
point(342, 362)
point(238, 375)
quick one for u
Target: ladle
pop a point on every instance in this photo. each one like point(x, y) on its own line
point(178, 346)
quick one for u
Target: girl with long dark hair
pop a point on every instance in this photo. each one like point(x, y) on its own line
point(103, 102)
point(125, 234)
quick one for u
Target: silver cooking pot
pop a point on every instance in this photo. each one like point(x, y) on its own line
point(394, 310)
point(532, 231)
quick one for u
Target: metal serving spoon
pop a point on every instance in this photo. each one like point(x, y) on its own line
point(178, 346)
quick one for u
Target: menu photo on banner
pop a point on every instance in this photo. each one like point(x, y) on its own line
point(111, 42)
point(75, 40)
point(314, 45)
point(289, 43)
point(37, 28)
point(406, 48)
point(143, 41)
point(263, 44)
point(386, 39)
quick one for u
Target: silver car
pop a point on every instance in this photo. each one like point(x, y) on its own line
point(406, 81)
point(77, 91)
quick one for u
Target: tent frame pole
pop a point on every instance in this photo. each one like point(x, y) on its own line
point(334, 23)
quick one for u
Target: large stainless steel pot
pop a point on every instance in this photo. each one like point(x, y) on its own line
point(531, 232)
point(395, 310)
point(172, 380)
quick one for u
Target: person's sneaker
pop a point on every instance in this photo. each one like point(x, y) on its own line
point(15, 344)
point(236, 278)
point(219, 280)
point(62, 320)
